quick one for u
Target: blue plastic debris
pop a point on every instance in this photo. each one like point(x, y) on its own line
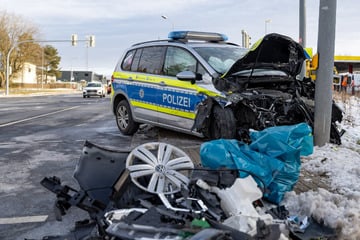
point(272, 158)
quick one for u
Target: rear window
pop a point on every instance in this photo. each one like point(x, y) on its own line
point(151, 60)
point(146, 60)
point(126, 64)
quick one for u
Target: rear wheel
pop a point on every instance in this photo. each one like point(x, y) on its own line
point(124, 118)
point(223, 123)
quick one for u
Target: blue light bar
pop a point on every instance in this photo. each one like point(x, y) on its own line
point(193, 35)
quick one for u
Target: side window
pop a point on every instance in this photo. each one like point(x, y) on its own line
point(135, 63)
point(126, 64)
point(201, 69)
point(151, 60)
point(178, 60)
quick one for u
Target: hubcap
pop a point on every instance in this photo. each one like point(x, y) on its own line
point(159, 167)
point(123, 117)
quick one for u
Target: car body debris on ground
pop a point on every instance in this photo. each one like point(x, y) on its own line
point(156, 191)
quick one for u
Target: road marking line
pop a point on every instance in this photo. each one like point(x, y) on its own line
point(28, 219)
point(35, 117)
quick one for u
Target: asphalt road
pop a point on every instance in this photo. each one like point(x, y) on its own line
point(43, 136)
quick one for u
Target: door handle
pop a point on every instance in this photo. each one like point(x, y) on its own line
point(162, 83)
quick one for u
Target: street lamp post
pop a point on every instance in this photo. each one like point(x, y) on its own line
point(266, 23)
point(166, 18)
point(8, 61)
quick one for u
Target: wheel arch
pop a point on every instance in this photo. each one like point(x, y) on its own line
point(204, 114)
point(118, 98)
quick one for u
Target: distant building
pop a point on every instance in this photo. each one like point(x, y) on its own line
point(345, 64)
point(80, 76)
point(29, 75)
point(26, 75)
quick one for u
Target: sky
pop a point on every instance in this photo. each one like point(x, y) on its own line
point(117, 24)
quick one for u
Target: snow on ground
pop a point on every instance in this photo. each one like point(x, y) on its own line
point(339, 206)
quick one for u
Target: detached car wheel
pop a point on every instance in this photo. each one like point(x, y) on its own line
point(223, 124)
point(157, 167)
point(124, 119)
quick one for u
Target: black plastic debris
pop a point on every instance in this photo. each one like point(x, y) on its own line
point(313, 230)
point(154, 192)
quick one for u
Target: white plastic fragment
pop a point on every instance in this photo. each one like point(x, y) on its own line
point(237, 203)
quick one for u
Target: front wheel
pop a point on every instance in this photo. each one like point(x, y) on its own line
point(223, 123)
point(124, 119)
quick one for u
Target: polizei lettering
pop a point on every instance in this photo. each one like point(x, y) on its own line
point(176, 100)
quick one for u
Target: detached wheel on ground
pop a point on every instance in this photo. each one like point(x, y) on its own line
point(124, 120)
point(223, 123)
point(158, 167)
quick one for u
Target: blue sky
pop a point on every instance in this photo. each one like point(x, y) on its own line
point(118, 24)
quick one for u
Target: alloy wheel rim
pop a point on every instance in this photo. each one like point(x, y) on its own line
point(159, 168)
point(123, 117)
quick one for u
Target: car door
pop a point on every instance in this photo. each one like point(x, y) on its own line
point(143, 82)
point(177, 100)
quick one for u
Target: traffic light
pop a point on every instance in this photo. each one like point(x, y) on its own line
point(74, 39)
point(92, 41)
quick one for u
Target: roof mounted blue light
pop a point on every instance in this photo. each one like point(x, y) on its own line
point(194, 35)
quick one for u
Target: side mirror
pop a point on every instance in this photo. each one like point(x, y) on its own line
point(188, 76)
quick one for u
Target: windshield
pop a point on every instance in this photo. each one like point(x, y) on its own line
point(94, 85)
point(221, 58)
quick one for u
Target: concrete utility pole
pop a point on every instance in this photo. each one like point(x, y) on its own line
point(302, 23)
point(302, 32)
point(323, 88)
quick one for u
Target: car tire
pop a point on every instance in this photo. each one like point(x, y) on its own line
point(84, 96)
point(223, 123)
point(124, 119)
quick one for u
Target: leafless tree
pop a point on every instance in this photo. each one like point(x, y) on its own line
point(14, 29)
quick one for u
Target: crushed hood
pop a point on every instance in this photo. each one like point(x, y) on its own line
point(273, 52)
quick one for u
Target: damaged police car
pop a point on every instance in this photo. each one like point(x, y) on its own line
point(198, 83)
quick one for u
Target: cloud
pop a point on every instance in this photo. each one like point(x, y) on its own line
point(118, 24)
point(84, 10)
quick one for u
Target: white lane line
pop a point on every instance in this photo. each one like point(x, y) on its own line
point(27, 219)
point(35, 117)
